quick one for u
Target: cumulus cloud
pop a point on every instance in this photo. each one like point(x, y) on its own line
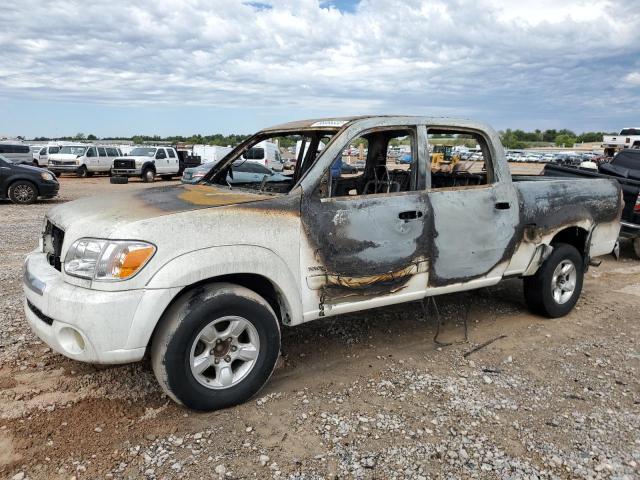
point(461, 57)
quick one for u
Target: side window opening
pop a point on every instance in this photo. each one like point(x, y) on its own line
point(91, 152)
point(171, 153)
point(458, 159)
point(378, 162)
point(102, 152)
point(160, 154)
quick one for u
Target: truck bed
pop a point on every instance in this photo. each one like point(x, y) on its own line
point(630, 191)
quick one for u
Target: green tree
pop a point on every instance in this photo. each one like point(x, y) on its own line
point(565, 140)
point(79, 136)
point(91, 136)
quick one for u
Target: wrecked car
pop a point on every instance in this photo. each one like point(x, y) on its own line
point(202, 277)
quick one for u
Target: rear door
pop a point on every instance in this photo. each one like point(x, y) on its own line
point(475, 210)
point(173, 162)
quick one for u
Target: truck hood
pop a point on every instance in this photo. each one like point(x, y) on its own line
point(101, 215)
point(62, 156)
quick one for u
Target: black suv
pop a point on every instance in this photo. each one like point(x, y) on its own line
point(23, 184)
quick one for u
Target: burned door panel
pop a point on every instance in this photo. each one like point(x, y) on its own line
point(476, 233)
point(367, 245)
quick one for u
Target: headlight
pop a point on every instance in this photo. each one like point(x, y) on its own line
point(107, 260)
point(47, 176)
point(198, 175)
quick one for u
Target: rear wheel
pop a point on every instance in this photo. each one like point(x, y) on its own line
point(216, 347)
point(148, 174)
point(23, 192)
point(555, 288)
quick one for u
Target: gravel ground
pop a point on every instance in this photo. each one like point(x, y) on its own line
point(359, 396)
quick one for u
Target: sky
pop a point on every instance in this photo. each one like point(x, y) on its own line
point(180, 67)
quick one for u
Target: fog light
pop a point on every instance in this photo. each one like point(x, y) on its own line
point(71, 340)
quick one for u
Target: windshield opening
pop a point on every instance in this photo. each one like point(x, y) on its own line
point(143, 152)
point(72, 150)
point(270, 162)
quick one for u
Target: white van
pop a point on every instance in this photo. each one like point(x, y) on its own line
point(83, 160)
point(16, 153)
point(210, 153)
point(265, 153)
point(42, 158)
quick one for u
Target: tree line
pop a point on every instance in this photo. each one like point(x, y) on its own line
point(564, 137)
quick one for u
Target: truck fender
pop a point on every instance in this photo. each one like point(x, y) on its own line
point(150, 163)
point(209, 263)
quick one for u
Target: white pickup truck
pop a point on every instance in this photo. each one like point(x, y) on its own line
point(147, 163)
point(628, 138)
point(202, 277)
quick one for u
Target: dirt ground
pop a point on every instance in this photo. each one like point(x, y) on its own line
point(367, 395)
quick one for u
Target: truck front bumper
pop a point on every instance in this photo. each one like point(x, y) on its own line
point(127, 172)
point(89, 325)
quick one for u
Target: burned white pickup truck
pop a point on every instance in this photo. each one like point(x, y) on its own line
point(201, 277)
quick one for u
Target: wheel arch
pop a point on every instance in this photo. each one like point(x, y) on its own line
point(148, 164)
point(576, 236)
point(252, 267)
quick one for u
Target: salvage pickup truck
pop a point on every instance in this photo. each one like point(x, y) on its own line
point(202, 277)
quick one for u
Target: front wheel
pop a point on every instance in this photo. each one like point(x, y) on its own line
point(555, 288)
point(216, 347)
point(148, 175)
point(23, 192)
point(82, 171)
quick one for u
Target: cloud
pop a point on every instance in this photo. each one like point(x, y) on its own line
point(633, 78)
point(470, 58)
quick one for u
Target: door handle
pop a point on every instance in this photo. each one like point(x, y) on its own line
point(503, 206)
point(409, 215)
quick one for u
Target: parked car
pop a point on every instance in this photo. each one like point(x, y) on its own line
point(43, 155)
point(203, 277)
point(16, 153)
point(147, 163)
point(24, 184)
point(290, 164)
point(242, 171)
point(83, 160)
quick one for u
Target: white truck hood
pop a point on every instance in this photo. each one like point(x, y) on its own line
point(62, 156)
point(101, 215)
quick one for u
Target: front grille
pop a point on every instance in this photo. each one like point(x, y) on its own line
point(39, 314)
point(128, 164)
point(53, 238)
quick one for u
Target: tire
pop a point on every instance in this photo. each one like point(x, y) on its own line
point(179, 341)
point(89, 174)
point(82, 171)
point(555, 288)
point(148, 175)
point(166, 177)
point(636, 246)
point(119, 180)
point(23, 192)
